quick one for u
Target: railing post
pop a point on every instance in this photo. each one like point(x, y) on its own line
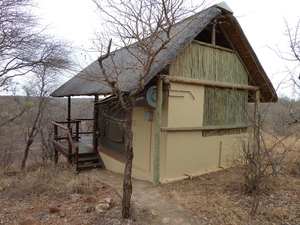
point(69, 146)
point(55, 138)
point(69, 111)
point(76, 156)
point(55, 132)
point(95, 125)
point(77, 130)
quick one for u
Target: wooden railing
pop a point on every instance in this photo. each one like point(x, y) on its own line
point(77, 122)
point(72, 149)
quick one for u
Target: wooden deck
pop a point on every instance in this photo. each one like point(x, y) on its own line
point(87, 158)
point(85, 145)
point(80, 153)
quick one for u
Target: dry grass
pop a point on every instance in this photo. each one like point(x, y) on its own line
point(60, 180)
point(218, 198)
point(33, 193)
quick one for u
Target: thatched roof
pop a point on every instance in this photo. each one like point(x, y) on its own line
point(126, 68)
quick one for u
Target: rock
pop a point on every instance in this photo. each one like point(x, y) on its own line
point(90, 200)
point(106, 200)
point(75, 197)
point(178, 220)
point(90, 209)
point(62, 214)
point(30, 222)
point(154, 213)
point(53, 210)
point(112, 204)
point(102, 207)
point(166, 220)
point(101, 186)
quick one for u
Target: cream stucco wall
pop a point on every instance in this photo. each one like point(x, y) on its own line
point(182, 152)
point(187, 151)
point(143, 145)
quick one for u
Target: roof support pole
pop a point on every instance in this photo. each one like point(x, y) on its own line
point(95, 124)
point(157, 132)
point(213, 32)
point(256, 124)
point(69, 111)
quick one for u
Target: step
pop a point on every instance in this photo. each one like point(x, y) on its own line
point(88, 159)
point(89, 166)
point(82, 155)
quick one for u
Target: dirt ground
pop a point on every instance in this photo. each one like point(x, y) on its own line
point(59, 196)
point(218, 198)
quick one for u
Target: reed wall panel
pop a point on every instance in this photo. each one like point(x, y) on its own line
point(207, 63)
point(224, 107)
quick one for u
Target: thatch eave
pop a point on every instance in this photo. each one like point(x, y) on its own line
point(129, 78)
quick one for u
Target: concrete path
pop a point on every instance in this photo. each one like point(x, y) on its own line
point(148, 197)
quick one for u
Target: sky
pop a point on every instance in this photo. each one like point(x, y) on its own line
point(261, 20)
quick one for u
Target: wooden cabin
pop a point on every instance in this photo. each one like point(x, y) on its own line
point(210, 73)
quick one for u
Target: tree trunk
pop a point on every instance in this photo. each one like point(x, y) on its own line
point(31, 136)
point(127, 185)
point(25, 156)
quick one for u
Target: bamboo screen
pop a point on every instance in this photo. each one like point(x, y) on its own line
point(224, 107)
point(212, 63)
point(209, 63)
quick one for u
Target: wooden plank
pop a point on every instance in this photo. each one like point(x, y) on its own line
point(111, 153)
point(212, 46)
point(176, 129)
point(59, 125)
point(59, 145)
point(60, 148)
point(209, 83)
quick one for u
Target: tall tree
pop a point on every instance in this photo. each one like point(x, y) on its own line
point(23, 45)
point(38, 99)
point(144, 28)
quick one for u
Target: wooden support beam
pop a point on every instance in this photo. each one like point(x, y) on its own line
point(77, 131)
point(206, 83)
point(95, 124)
point(177, 129)
point(69, 144)
point(226, 37)
point(69, 111)
point(55, 138)
point(213, 33)
point(256, 124)
point(159, 90)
